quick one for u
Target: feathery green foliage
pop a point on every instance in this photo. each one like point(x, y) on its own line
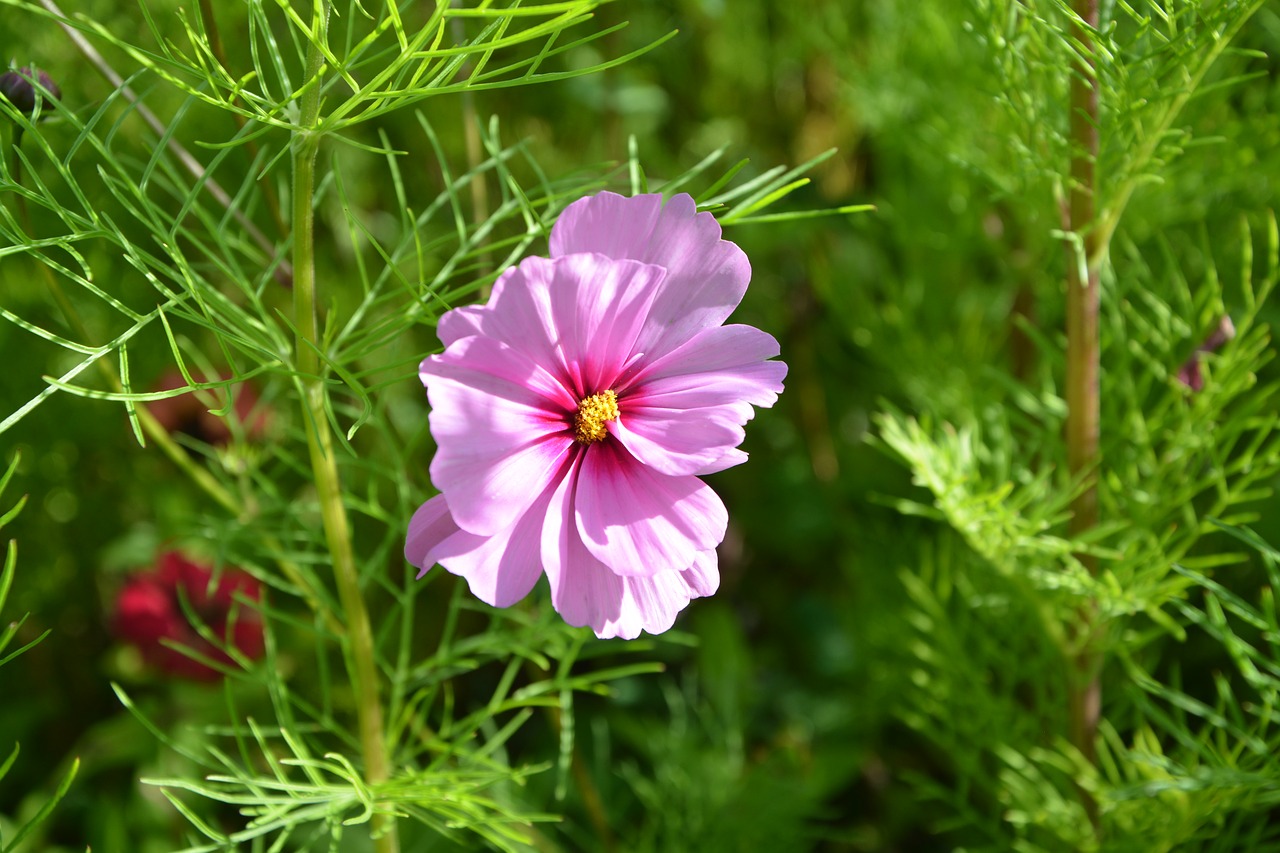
point(1177, 459)
point(906, 612)
point(11, 837)
point(171, 240)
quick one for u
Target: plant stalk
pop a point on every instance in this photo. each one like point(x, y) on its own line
point(361, 662)
point(1084, 695)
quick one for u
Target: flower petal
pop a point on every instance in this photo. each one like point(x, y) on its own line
point(706, 276)
point(650, 603)
point(683, 412)
point(503, 568)
point(725, 365)
point(585, 591)
point(500, 569)
point(578, 316)
point(502, 430)
point(503, 373)
point(430, 525)
point(472, 319)
point(600, 307)
point(640, 522)
point(607, 223)
point(680, 443)
point(703, 577)
point(490, 495)
point(461, 323)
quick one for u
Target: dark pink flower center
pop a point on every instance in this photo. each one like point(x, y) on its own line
point(592, 415)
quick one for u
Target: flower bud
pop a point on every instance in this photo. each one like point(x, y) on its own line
point(1189, 374)
point(16, 88)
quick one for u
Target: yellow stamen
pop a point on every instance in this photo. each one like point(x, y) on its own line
point(593, 413)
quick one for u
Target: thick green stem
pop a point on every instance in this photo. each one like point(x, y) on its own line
point(1084, 693)
point(361, 662)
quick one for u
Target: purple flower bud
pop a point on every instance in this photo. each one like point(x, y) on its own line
point(16, 88)
point(1226, 331)
point(1189, 373)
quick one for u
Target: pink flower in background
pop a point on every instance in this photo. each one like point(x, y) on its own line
point(149, 611)
point(574, 412)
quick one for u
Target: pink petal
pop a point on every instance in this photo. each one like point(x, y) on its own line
point(607, 223)
point(430, 525)
point(578, 316)
point(585, 591)
point(461, 323)
point(615, 606)
point(487, 495)
point(706, 276)
point(500, 569)
point(703, 577)
point(683, 412)
point(503, 373)
point(472, 319)
point(600, 307)
point(725, 365)
point(649, 603)
point(502, 430)
point(679, 443)
point(640, 522)
point(519, 314)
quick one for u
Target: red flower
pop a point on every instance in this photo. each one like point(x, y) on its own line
point(186, 413)
point(149, 611)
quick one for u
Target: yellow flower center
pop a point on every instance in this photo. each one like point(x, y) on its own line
point(593, 413)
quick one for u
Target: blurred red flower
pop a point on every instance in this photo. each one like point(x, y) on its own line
point(149, 611)
point(187, 414)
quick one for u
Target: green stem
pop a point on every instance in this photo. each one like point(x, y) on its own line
point(361, 662)
point(1084, 694)
point(1094, 229)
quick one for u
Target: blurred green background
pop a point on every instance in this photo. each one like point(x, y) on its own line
point(788, 724)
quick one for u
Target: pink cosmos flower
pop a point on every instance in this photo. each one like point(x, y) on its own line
point(575, 410)
point(149, 612)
